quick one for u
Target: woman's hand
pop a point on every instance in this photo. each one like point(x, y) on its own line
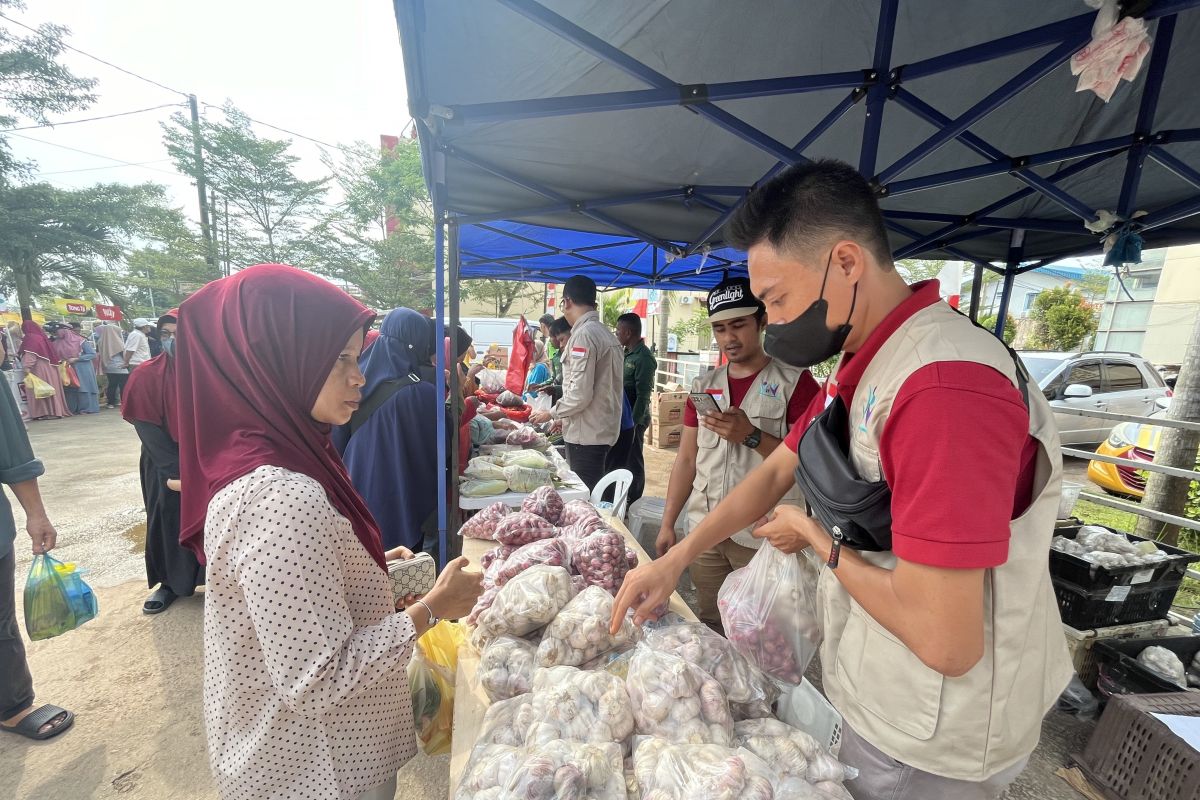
point(174, 484)
point(456, 591)
point(398, 554)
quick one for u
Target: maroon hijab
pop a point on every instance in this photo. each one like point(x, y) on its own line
point(36, 341)
point(254, 351)
point(150, 394)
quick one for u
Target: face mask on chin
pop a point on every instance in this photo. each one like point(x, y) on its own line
point(807, 340)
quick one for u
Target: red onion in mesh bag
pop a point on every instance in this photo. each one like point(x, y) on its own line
point(552, 552)
point(600, 559)
point(495, 554)
point(483, 603)
point(545, 502)
point(577, 510)
point(523, 528)
point(483, 524)
point(631, 557)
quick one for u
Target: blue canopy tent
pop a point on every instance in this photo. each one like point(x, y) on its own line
point(616, 139)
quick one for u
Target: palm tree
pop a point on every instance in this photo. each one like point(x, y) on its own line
point(613, 305)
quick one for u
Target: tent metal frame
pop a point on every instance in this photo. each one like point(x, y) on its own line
point(879, 85)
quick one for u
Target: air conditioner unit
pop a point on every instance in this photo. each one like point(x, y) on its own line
point(686, 300)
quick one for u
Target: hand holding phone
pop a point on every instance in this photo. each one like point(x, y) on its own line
point(704, 403)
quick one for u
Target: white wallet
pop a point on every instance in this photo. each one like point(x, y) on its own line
point(414, 576)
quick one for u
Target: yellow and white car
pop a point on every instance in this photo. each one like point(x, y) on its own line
point(1132, 440)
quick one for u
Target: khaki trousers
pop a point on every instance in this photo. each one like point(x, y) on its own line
point(709, 571)
point(882, 777)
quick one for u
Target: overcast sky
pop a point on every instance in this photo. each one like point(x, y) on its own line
point(329, 70)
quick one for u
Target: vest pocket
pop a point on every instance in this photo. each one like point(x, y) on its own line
point(886, 678)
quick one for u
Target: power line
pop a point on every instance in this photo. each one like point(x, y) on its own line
point(93, 169)
point(89, 153)
point(285, 130)
point(130, 73)
point(91, 119)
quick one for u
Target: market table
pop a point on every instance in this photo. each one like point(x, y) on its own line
point(573, 487)
point(470, 701)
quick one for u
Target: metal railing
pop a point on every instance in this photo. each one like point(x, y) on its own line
point(672, 370)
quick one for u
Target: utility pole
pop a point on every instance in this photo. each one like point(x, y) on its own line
point(210, 245)
point(1176, 449)
point(227, 270)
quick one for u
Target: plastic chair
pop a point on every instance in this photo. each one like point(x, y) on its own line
point(620, 481)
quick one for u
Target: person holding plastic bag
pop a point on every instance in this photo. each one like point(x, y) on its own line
point(305, 691)
point(932, 468)
point(19, 470)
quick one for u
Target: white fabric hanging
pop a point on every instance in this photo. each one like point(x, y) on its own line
point(1116, 51)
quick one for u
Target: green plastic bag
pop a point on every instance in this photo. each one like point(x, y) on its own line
point(57, 599)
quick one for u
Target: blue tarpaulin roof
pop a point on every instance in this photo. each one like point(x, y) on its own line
point(651, 120)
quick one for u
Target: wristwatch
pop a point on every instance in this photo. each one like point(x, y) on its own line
point(753, 440)
point(432, 619)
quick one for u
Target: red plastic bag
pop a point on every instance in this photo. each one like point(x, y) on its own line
point(520, 357)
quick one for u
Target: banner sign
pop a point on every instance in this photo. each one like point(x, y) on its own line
point(108, 313)
point(71, 306)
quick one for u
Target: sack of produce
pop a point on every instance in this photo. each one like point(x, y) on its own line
point(496, 554)
point(506, 722)
point(522, 528)
point(482, 488)
point(483, 524)
point(769, 613)
point(580, 707)
point(552, 552)
point(677, 701)
point(751, 694)
point(487, 771)
point(600, 559)
point(674, 771)
point(56, 597)
point(484, 602)
point(546, 503)
point(577, 510)
point(506, 667)
point(484, 468)
point(790, 752)
point(584, 528)
point(509, 400)
point(561, 770)
point(526, 603)
point(1165, 663)
point(631, 557)
point(527, 458)
point(580, 631)
point(527, 436)
point(524, 479)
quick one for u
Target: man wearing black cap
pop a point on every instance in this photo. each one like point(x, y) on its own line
point(759, 399)
point(593, 373)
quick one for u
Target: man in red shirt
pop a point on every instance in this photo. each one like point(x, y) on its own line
point(759, 399)
point(942, 643)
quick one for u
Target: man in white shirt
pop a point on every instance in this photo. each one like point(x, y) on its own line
point(137, 344)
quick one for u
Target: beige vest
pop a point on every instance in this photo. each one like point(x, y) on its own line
point(971, 727)
point(721, 465)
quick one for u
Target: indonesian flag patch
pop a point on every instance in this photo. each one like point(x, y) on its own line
point(579, 352)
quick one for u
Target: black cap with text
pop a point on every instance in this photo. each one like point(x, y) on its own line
point(732, 298)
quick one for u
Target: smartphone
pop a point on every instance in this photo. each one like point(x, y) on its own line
point(704, 403)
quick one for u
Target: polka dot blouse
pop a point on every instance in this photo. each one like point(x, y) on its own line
point(305, 687)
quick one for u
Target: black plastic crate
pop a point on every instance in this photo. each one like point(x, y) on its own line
point(1120, 672)
point(1083, 608)
point(1087, 575)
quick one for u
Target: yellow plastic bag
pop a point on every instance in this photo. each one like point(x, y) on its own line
point(40, 389)
point(431, 680)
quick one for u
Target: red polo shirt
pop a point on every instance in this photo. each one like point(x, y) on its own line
point(956, 452)
point(806, 389)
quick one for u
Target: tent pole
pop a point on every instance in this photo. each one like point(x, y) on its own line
point(558, 208)
point(976, 292)
point(1170, 162)
point(1145, 119)
point(1016, 248)
point(439, 378)
point(877, 95)
point(456, 399)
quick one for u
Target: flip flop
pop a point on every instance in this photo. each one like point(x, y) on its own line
point(158, 602)
point(31, 726)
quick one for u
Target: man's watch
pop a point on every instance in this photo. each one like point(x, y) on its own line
point(753, 440)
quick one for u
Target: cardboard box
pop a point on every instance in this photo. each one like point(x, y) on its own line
point(666, 408)
point(665, 436)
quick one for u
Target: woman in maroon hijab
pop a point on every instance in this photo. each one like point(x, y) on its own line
point(305, 691)
point(38, 357)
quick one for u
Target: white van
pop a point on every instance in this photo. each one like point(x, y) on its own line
point(488, 331)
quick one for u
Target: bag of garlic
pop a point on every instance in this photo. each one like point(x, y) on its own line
point(769, 612)
point(677, 701)
point(751, 694)
point(487, 770)
point(506, 722)
point(566, 769)
point(580, 631)
point(524, 604)
point(790, 752)
point(506, 667)
point(668, 771)
point(579, 706)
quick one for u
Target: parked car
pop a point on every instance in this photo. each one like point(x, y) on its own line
point(1120, 383)
point(1132, 440)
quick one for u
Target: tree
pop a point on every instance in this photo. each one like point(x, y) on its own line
point(915, 270)
point(164, 271)
point(1010, 326)
point(33, 84)
point(613, 305)
point(692, 327)
point(1063, 319)
point(504, 294)
point(51, 237)
point(270, 207)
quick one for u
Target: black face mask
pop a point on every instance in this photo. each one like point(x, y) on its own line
point(807, 340)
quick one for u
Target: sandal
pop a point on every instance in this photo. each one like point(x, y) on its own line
point(31, 726)
point(158, 602)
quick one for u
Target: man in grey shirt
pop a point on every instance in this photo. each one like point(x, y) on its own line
point(20, 471)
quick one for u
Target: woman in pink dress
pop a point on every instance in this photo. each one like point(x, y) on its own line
point(38, 357)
